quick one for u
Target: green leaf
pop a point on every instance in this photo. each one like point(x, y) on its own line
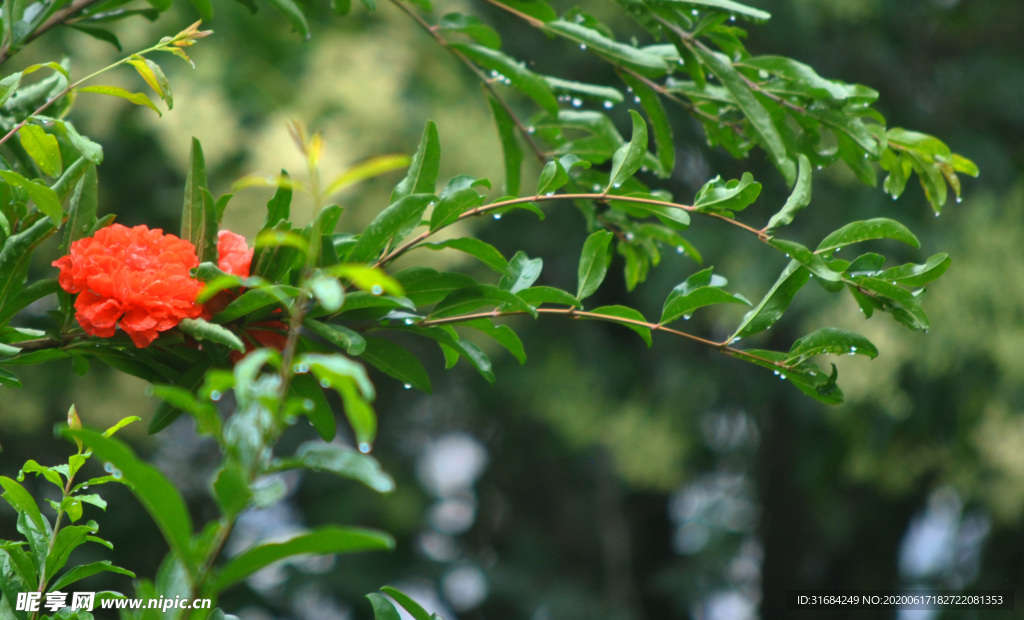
point(9, 85)
point(87, 570)
point(511, 150)
point(397, 362)
point(154, 75)
point(471, 26)
point(342, 461)
point(255, 299)
point(799, 198)
point(231, 490)
point(67, 540)
point(31, 522)
point(918, 275)
point(454, 205)
point(759, 117)
point(732, 7)
point(537, 295)
point(814, 262)
point(503, 334)
point(524, 80)
point(198, 220)
point(464, 300)
point(322, 540)
point(901, 303)
point(201, 329)
point(339, 335)
point(394, 222)
point(594, 262)
point(699, 290)
point(411, 606)
point(724, 197)
point(43, 197)
point(830, 340)
point(314, 404)
point(294, 15)
point(482, 250)
point(422, 175)
point(663, 140)
point(89, 149)
point(156, 493)
point(382, 607)
point(522, 272)
point(865, 230)
point(633, 319)
point(116, 91)
point(42, 148)
point(775, 301)
point(630, 156)
point(327, 291)
point(82, 207)
point(607, 95)
point(280, 204)
point(639, 60)
point(32, 467)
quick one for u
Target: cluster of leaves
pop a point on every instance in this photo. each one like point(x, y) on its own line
point(336, 300)
point(32, 564)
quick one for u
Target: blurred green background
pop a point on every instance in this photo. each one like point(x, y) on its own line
point(603, 480)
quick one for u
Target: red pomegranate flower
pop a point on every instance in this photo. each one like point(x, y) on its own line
point(233, 255)
point(133, 277)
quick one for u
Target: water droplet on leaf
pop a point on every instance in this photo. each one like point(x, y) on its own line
point(364, 447)
point(376, 289)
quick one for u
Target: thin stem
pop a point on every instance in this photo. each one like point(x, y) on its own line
point(387, 258)
point(582, 314)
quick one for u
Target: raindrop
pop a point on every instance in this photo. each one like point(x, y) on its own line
point(617, 185)
point(636, 98)
point(775, 372)
point(85, 486)
point(300, 368)
point(494, 74)
point(735, 340)
point(497, 216)
point(576, 102)
point(597, 187)
point(325, 383)
point(530, 130)
point(307, 405)
point(732, 18)
point(108, 467)
point(782, 376)
point(376, 289)
point(936, 214)
point(959, 199)
point(608, 105)
point(117, 474)
point(763, 74)
point(686, 317)
point(680, 249)
point(629, 236)
point(550, 194)
point(215, 395)
point(694, 12)
point(818, 167)
point(407, 386)
point(21, 476)
point(364, 447)
point(409, 321)
point(837, 251)
point(865, 155)
point(583, 46)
